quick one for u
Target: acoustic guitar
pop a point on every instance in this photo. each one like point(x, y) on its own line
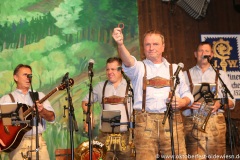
point(12, 135)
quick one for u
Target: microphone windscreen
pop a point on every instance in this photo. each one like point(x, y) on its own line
point(119, 68)
point(91, 61)
point(181, 65)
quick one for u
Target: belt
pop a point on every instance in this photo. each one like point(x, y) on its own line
point(153, 113)
point(32, 136)
point(108, 133)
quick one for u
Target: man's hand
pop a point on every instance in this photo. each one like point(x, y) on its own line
point(44, 113)
point(216, 106)
point(85, 125)
point(39, 106)
point(178, 102)
point(118, 36)
point(195, 105)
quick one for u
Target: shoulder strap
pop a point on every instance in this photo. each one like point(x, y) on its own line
point(12, 98)
point(191, 86)
point(216, 81)
point(103, 92)
point(171, 80)
point(144, 88)
point(125, 101)
point(34, 96)
point(190, 80)
point(171, 75)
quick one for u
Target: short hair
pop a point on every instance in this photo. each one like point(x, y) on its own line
point(204, 43)
point(21, 66)
point(149, 32)
point(113, 59)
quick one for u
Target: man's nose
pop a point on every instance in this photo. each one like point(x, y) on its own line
point(151, 46)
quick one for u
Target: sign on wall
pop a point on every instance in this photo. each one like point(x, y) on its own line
point(226, 56)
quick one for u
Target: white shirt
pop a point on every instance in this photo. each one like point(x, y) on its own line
point(110, 90)
point(208, 76)
point(19, 97)
point(156, 98)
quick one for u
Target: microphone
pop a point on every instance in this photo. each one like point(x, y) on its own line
point(124, 75)
point(180, 67)
point(90, 65)
point(206, 57)
point(29, 76)
point(65, 77)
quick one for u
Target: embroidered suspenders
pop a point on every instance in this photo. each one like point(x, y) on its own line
point(113, 100)
point(157, 82)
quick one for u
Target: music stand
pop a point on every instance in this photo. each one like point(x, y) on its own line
point(204, 92)
point(11, 113)
point(110, 119)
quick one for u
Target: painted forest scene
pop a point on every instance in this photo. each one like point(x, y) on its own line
point(59, 36)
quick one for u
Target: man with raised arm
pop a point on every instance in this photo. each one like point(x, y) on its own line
point(152, 81)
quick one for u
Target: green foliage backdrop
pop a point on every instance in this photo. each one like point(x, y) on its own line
point(59, 36)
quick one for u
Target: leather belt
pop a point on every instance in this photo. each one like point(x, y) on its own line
point(158, 82)
point(154, 113)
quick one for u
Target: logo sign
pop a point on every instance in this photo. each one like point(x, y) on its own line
point(226, 49)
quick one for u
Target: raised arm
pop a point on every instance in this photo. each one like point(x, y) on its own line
point(124, 54)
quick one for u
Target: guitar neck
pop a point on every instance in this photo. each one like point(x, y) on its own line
point(28, 111)
point(48, 95)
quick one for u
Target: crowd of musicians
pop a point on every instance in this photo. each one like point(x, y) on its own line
point(160, 117)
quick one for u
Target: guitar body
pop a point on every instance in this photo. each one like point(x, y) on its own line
point(12, 135)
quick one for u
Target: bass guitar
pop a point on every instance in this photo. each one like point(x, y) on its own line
point(12, 135)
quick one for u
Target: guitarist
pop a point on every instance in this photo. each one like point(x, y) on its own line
point(22, 95)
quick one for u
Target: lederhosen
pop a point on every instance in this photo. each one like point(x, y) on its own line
point(205, 143)
point(150, 122)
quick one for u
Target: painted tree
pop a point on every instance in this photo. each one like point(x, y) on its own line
point(66, 16)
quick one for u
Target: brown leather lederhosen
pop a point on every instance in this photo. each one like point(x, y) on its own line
point(157, 82)
point(191, 83)
point(115, 99)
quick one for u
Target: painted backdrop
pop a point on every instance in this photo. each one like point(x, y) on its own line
point(60, 36)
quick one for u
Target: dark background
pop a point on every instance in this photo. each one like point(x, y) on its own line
point(182, 32)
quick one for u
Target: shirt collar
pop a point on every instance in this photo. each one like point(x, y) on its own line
point(20, 91)
point(209, 68)
point(123, 81)
point(164, 62)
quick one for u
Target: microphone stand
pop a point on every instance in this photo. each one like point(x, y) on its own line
point(35, 121)
point(169, 114)
point(88, 115)
point(224, 102)
point(72, 119)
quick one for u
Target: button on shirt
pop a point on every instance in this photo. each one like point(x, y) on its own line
point(156, 98)
point(110, 90)
point(26, 99)
point(208, 76)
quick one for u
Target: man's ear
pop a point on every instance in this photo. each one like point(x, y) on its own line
point(195, 54)
point(15, 78)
